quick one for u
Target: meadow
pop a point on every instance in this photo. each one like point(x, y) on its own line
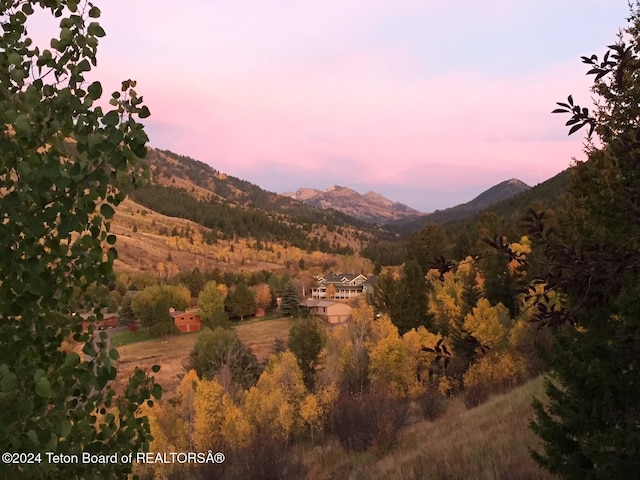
point(171, 352)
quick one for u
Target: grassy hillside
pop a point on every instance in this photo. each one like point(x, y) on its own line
point(151, 242)
point(233, 208)
point(489, 442)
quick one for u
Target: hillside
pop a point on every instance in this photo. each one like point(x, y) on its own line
point(487, 442)
point(488, 198)
point(191, 216)
point(548, 194)
point(231, 208)
point(371, 207)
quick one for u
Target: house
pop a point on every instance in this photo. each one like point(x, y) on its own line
point(327, 310)
point(109, 320)
point(345, 285)
point(188, 321)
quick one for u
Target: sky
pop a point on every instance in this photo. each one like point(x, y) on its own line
point(427, 102)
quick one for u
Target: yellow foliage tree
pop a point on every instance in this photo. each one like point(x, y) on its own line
point(389, 362)
point(493, 373)
point(420, 362)
point(445, 300)
point(486, 322)
point(169, 432)
point(208, 416)
point(273, 404)
point(311, 413)
point(262, 294)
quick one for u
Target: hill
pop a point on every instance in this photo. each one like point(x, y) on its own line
point(190, 215)
point(233, 208)
point(485, 200)
point(371, 207)
point(490, 441)
point(510, 211)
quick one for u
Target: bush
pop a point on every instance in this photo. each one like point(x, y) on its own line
point(432, 403)
point(368, 420)
point(163, 329)
point(492, 374)
point(267, 457)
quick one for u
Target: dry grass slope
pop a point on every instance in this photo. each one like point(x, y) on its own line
point(489, 442)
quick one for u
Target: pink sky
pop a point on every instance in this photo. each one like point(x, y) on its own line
point(427, 102)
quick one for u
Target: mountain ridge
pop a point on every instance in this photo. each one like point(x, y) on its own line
point(371, 207)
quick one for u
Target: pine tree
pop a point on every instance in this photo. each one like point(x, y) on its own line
point(590, 426)
point(413, 299)
point(290, 300)
point(306, 340)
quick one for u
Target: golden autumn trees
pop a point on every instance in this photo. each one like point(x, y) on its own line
point(211, 302)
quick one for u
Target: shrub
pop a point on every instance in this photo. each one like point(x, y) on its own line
point(163, 329)
point(267, 457)
point(432, 403)
point(368, 420)
point(494, 373)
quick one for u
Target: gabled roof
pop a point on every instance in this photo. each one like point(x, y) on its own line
point(342, 278)
point(177, 313)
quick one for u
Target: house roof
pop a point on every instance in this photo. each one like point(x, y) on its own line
point(343, 278)
point(318, 303)
point(177, 313)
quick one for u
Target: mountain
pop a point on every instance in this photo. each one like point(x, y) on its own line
point(233, 208)
point(485, 200)
point(550, 194)
point(370, 207)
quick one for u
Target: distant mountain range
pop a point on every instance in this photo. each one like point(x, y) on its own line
point(375, 208)
point(226, 209)
point(370, 207)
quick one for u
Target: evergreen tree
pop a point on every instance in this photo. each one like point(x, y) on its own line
point(306, 340)
point(590, 426)
point(126, 312)
point(219, 352)
point(290, 300)
point(413, 299)
point(386, 295)
point(427, 246)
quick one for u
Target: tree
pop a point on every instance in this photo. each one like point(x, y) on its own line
point(219, 354)
point(126, 312)
point(241, 302)
point(151, 305)
point(386, 295)
point(211, 305)
point(263, 296)
point(589, 427)
point(290, 300)
point(273, 404)
point(427, 246)
point(306, 340)
point(412, 299)
point(63, 168)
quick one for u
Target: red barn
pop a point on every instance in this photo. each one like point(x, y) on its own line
point(188, 321)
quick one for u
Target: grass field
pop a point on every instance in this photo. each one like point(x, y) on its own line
point(171, 352)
